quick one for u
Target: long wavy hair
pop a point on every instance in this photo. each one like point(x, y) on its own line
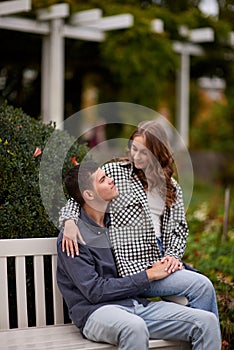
point(160, 169)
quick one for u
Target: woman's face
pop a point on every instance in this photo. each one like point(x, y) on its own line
point(139, 153)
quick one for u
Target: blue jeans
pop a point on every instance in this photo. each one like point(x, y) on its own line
point(131, 327)
point(196, 287)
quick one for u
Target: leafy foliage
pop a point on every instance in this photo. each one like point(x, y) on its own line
point(22, 210)
point(208, 251)
point(215, 131)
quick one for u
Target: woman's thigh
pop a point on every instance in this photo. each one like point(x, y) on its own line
point(182, 282)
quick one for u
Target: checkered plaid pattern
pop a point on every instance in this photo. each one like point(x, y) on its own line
point(131, 231)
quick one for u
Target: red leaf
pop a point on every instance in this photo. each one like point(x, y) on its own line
point(37, 152)
point(74, 161)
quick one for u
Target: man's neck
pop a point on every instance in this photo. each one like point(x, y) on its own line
point(96, 215)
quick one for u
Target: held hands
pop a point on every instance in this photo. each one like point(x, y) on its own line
point(157, 271)
point(163, 268)
point(70, 236)
point(172, 264)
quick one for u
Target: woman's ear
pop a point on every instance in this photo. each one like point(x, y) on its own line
point(88, 195)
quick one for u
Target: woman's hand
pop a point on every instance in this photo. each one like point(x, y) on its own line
point(172, 264)
point(70, 235)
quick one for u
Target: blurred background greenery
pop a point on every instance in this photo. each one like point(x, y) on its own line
point(138, 66)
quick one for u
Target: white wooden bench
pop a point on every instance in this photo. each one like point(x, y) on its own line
point(15, 255)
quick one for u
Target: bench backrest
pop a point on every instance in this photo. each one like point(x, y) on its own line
point(20, 250)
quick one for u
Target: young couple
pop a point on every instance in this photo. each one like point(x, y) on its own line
point(147, 230)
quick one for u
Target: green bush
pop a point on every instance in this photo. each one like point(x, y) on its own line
point(212, 253)
point(21, 207)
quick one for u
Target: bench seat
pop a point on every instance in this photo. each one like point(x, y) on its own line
point(64, 337)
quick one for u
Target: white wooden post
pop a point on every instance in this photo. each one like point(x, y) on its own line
point(56, 65)
point(53, 64)
point(45, 78)
point(183, 78)
point(186, 49)
point(182, 87)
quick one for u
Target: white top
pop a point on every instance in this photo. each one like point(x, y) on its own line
point(156, 205)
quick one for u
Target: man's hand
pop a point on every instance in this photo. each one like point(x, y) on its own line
point(172, 264)
point(157, 271)
point(70, 236)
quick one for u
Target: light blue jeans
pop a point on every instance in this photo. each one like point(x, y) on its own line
point(131, 327)
point(196, 287)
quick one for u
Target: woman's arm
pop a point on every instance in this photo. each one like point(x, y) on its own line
point(70, 211)
point(69, 216)
point(175, 228)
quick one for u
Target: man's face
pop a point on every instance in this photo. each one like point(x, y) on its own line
point(104, 186)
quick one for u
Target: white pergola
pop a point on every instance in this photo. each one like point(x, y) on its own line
point(90, 25)
point(86, 25)
point(185, 49)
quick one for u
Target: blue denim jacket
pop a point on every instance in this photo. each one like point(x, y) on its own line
point(90, 280)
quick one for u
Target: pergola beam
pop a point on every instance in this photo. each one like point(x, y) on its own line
point(43, 28)
point(199, 35)
point(83, 17)
point(9, 7)
point(24, 25)
point(157, 25)
point(53, 12)
point(187, 48)
point(82, 33)
point(111, 22)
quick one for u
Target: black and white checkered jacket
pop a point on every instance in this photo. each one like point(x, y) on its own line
point(131, 231)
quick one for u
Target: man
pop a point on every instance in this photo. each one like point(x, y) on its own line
point(106, 307)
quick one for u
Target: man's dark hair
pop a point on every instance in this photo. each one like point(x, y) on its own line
point(78, 179)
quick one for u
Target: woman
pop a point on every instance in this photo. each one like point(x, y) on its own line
point(147, 219)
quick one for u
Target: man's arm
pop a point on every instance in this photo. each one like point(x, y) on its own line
point(97, 289)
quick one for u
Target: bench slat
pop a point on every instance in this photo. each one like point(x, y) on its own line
point(21, 295)
point(28, 246)
point(4, 306)
point(57, 297)
point(39, 285)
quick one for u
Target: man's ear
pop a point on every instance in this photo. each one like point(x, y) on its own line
point(88, 195)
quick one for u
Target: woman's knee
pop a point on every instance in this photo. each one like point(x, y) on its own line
point(208, 284)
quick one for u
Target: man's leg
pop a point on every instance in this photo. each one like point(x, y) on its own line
point(118, 326)
point(171, 321)
point(196, 287)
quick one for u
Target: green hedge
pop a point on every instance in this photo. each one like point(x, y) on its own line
point(21, 208)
